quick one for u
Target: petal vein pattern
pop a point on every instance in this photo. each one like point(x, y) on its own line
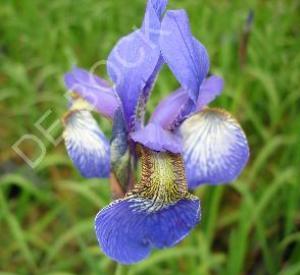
point(159, 212)
point(215, 148)
point(86, 144)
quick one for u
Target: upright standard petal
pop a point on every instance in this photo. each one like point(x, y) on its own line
point(151, 29)
point(86, 144)
point(215, 148)
point(186, 57)
point(156, 138)
point(136, 59)
point(152, 18)
point(144, 97)
point(158, 213)
point(94, 90)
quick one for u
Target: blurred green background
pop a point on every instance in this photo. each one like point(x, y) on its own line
point(46, 214)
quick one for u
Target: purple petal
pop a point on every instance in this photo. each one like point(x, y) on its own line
point(209, 90)
point(158, 139)
point(186, 57)
point(86, 145)
point(94, 90)
point(174, 223)
point(141, 108)
point(134, 60)
point(126, 231)
point(170, 108)
point(215, 148)
point(120, 233)
point(151, 28)
point(176, 107)
point(152, 18)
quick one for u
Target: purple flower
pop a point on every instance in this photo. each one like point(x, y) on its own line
point(183, 145)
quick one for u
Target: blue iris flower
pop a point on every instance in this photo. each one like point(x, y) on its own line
point(183, 145)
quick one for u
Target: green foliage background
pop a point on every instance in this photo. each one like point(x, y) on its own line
point(46, 214)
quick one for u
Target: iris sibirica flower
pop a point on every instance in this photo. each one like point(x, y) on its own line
point(152, 165)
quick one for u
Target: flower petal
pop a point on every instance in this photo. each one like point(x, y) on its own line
point(215, 148)
point(151, 29)
point(176, 107)
point(94, 90)
point(186, 57)
point(126, 231)
point(169, 109)
point(209, 90)
point(170, 225)
point(120, 233)
point(152, 18)
point(86, 144)
point(134, 60)
point(141, 107)
point(153, 136)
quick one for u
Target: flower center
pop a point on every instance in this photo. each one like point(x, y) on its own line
point(161, 179)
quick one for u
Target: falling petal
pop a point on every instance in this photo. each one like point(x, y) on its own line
point(127, 234)
point(86, 144)
point(215, 148)
point(157, 213)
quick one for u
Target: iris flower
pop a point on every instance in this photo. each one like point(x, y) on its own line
point(184, 143)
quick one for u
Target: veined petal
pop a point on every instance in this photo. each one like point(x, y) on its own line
point(156, 138)
point(120, 233)
point(157, 213)
point(215, 148)
point(209, 90)
point(186, 57)
point(173, 224)
point(86, 144)
point(134, 60)
point(127, 232)
point(94, 90)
